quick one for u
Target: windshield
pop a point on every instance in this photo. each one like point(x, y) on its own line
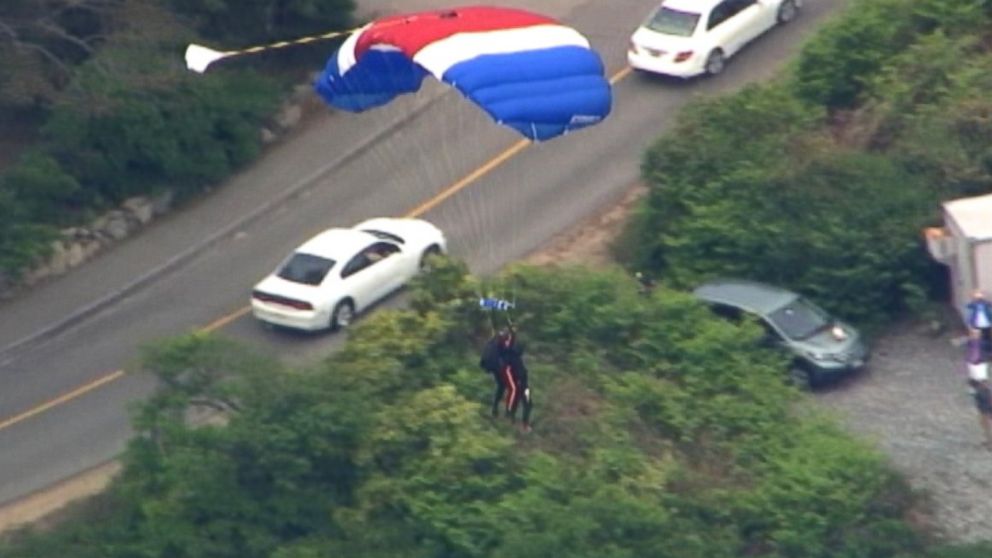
point(800, 319)
point(305, 268)
point(672, 22)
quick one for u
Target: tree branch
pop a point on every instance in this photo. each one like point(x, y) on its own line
point(21, 45)
point(57, 30)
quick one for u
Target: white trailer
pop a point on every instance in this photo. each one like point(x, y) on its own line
point(964, 244)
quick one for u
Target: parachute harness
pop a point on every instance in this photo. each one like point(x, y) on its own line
point(502, 305)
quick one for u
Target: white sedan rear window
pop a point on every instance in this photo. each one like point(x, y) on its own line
point(305, 268)
point(672, 22)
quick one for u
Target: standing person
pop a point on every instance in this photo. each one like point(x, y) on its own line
point(979, 313)
point(978, 379)
point(517, 377)
point(975, 353)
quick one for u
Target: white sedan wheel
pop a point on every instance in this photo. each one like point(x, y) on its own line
point(430, 252)
point(787, 11)
point(715, 62)
point(343, 315)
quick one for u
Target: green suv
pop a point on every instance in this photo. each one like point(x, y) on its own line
point(823, 348)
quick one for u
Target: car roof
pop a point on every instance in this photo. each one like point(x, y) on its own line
point(752, 296)
point(692, 6)
point(337, 244)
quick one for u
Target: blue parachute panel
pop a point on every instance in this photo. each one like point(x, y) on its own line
point(378, 78)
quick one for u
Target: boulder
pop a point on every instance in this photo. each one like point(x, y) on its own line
point(289, 116)
point(58, 262)
point(162, 203)
point(90, 248)
point(302, 92)
point(99, 224)
point(267, 136)
point(117, 225)
point(140, 208)
point(73, 233)
point(75, 255)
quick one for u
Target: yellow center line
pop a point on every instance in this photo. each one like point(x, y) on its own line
point(418, 211)
point(64, 398)
point(223, 321)
point(468, 179)
point(624, 72)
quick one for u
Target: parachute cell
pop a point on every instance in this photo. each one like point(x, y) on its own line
point(527, 71)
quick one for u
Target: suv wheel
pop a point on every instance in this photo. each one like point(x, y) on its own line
point(801, 378)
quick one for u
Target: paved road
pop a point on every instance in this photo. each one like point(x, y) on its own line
point(61, 413)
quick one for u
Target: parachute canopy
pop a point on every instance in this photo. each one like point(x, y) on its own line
point(527, 71)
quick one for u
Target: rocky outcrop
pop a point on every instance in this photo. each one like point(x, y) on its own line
point(76, 245)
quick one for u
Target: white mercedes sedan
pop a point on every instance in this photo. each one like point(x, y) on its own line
point(687, 38)
point(340, 272)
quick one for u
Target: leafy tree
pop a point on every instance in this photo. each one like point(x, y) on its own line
point(833, 67)
point(42, 41)
point(257, 20)
point(836, 66)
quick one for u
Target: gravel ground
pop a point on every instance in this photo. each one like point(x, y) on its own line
point(914, 405)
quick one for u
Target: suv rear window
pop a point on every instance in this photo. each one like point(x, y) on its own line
point(305, 268)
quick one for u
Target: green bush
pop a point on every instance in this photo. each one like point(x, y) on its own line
point(43, 190)
point(23, 241)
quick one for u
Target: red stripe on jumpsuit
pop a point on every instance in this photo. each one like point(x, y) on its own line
point(511, 393)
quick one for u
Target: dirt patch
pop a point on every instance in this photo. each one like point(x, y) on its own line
point(589, 242)
point(46, 508)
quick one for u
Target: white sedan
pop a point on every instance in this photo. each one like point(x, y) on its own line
point(325, 282)
point(686, 38)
